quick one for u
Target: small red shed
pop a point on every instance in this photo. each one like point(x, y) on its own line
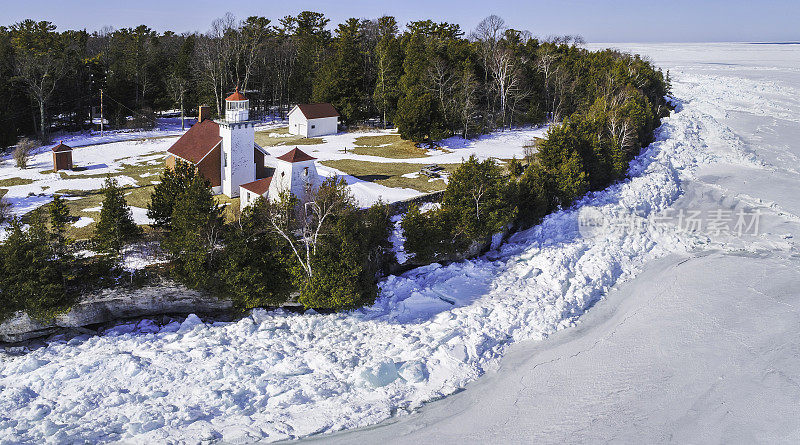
point(62, 157)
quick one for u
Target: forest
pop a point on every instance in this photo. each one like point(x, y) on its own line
point(430, 80)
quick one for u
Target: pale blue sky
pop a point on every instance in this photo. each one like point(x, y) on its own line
point(596, 20)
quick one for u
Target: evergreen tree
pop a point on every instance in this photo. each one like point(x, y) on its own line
point(310, 38)
point(428, 235)
point(59, 218)
point(173, 182)
point(256, 266)
point(347, 262)
point(477, 204)
point(340, 80)
point(418, 117)
point(32, 278)
point(478, 194)
point(116, 226)
point(389, 61)
point(195, 234)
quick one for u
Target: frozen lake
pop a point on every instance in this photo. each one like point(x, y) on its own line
point(702, 346)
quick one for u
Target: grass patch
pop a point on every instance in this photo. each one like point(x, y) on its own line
point(10, 182)
point(390, 174)
point(3, 192)
point(387, 146)
point(134, 171)
point(263, 139)
point(139, 196)
point(134, 196)
point(231, 211)
point(305, 141)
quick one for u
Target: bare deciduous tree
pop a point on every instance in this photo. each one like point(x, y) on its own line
point(38, 63)
point(177, 87)
point(303, 224)
point(506, 77)
point(22, 152)
point(467, 98)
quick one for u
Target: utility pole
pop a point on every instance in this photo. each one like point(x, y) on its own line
point(183, 127)
point(101, 112)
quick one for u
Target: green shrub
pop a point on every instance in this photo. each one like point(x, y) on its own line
point(32, 277)
point(346, 264)
point(256, 265)
point(116, 227)
point(429, 236)
point(172, 183)
point(195, 236)
point(477, 204)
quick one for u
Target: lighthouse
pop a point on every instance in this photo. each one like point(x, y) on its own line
point(238, 139)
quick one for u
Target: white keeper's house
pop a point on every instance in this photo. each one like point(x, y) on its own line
point(311, 120)
point(225, 152)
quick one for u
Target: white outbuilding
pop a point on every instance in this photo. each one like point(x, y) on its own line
point(311, 120)
point(294, 171)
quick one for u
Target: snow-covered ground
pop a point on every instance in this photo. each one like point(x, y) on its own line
point(501, 145)
point(99, 155)
point(702, 346)
point(276, 375)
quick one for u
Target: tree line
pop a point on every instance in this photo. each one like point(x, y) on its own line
point(622, 103)
point(431, 80)
point(325, 254)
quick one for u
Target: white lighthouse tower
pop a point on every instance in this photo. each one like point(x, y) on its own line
point(238, 141)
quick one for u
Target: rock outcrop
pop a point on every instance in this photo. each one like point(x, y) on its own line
point(112, 305)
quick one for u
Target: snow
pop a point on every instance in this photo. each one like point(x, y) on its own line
point(701, 346)
point(140, 215)
point(277, 375)
point(501, 145)
point(97, 161)
point(100, 155)
point(83, 221)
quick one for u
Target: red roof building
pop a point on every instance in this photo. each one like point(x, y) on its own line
point(296, 155)
point(62, 157)
point(259, 186)
point(198, 142)
point(318, 111)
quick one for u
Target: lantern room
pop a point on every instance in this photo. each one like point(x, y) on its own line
point(237, 107)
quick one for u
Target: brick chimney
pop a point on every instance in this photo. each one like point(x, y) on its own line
point(203, 113)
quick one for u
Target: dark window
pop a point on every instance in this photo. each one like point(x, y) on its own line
point(313, 126)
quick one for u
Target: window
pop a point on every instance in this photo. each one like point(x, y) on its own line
point(313, 126)
point(224, 159)
point(305, 171)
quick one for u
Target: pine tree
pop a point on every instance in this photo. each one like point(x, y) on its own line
point(173, 182)
point(59, 218)
point(533, 196)
point(348, 260)
point(32, 278)
point(340, 80)
point(478, 193)
point(417, 115)
point(196, 230)
point(256, 265)
point(389, 66)
point(116, 226)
